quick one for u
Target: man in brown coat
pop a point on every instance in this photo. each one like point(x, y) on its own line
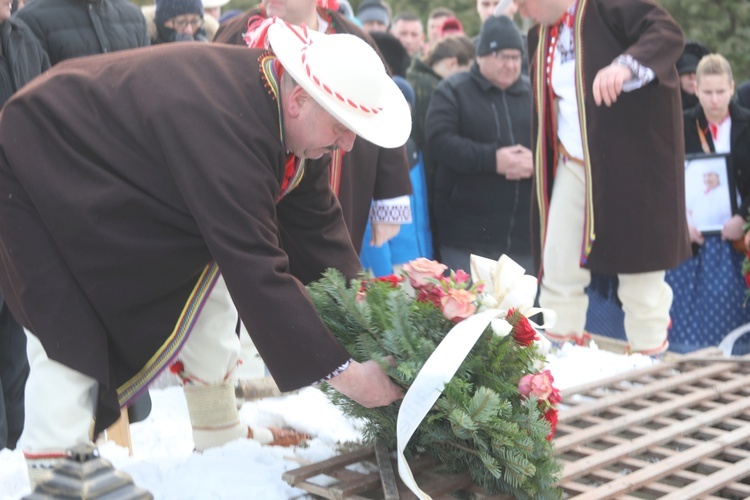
point(114, 231)
point(608, 148)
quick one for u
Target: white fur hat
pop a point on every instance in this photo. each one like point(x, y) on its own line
point(347, 78)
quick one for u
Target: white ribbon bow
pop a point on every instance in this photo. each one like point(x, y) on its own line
point(507, 286)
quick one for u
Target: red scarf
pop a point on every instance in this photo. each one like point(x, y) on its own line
point(714, 128)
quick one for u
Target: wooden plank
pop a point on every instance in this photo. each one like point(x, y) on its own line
point(119, 432)
point(294, 477)
point(361, 484)
point(387, 478)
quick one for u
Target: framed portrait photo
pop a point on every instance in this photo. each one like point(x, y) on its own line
point(709, 191)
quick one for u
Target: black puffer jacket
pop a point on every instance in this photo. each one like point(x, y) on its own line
point(467, 121)
point(24, 56)
point(75, 28)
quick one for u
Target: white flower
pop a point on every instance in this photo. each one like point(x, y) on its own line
point(501, 327)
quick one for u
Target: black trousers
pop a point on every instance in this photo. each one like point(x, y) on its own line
point(14, 370)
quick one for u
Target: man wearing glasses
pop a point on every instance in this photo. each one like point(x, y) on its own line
point(179, 21)
point(478, 129)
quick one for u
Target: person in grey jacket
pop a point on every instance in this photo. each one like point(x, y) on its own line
point(75, 28)
point(478, 130)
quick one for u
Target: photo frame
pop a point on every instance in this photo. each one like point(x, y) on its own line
point(710, 193)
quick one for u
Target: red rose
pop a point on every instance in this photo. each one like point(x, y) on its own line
point(431, 296)
point(747, 279)
point(551, 417)
point(555, 397)
point(524, 334)
point(391, 279)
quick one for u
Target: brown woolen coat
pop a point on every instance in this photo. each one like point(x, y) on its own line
point(635, 147)
point(123, 176)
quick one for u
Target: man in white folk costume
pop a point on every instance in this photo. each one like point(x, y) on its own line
point(114, 232)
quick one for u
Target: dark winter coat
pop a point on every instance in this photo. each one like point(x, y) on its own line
point(368, 171)
point(634, 150)
point(423, 80)
point(106, 231)
point(24, 56)
point(740, 143)
point(75, 28)
point(468, 120)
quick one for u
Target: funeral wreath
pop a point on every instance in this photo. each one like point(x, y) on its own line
point(496, 416)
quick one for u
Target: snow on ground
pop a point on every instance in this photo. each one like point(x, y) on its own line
point(163, 461)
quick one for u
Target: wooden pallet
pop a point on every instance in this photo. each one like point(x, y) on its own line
point(677, 430)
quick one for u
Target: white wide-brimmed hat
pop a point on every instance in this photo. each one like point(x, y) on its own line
point(347, 78)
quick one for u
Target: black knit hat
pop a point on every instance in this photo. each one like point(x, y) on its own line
point(691, 56)
point(167, 9)
point(498, 33)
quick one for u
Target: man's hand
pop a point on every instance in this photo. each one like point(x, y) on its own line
point(383, 232)
point(608, 83)
point(514, 162)
point(367, 384)
point(732, 230)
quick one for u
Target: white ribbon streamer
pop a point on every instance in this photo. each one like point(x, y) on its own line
point(430, 381)
point(505, 285)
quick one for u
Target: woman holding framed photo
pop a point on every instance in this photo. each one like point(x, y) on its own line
point(709, 288)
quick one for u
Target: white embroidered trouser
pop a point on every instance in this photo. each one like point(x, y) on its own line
point(60, 401)
point(210, 358)
point(212, 351)
point(646, 297)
